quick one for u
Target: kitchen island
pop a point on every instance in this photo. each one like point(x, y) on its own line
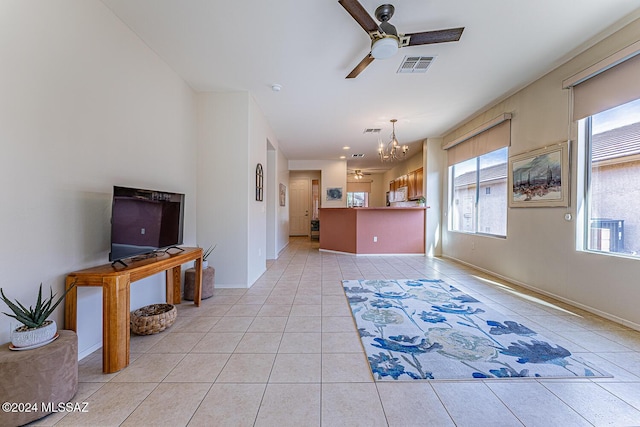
point(373, 231)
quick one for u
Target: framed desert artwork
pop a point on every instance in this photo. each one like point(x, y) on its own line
point(540, 178)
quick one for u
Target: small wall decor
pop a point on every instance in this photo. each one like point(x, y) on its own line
point(334, 193)
point(259, 182)
point(283, 194)
point(540, 178)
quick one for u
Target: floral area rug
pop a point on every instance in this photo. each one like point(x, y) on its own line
point(427, 329)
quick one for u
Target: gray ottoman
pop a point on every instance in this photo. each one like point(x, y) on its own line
point(208, 278)
point(47, 374)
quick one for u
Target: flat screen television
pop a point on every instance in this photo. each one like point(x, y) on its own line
point(144, 221)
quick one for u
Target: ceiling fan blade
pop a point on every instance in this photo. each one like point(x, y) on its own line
point(361, 66)
point(439, 36)
point(358, 13)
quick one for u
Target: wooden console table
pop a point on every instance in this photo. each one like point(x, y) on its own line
point(115, 282)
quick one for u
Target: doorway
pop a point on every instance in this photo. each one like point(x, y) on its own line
point(299, 197)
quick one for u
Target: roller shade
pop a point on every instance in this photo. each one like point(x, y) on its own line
point(491, 139)
point(616, 86)
point(611, 82)
point(358, 187)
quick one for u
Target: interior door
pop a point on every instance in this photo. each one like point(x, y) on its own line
point(299, 207)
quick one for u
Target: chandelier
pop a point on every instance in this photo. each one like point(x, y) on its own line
point(392, 150)
point(358, 174)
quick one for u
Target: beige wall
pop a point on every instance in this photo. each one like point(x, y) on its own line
point(85, 105)
point(402, 168)
point(379, 187)
point(229, 215)
point(435, 174)
point(540, 248)
point(333, 174)
point(306, 174)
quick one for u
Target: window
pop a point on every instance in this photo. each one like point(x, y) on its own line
point(358, 194)
point(358, 199)
point(478, 178)
point(612, 200)
point(479, 194)
point(606, 105)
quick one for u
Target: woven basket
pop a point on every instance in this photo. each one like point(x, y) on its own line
point(153, 318)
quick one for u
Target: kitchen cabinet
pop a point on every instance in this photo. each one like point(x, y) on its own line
point(398, 190)
point(392, 191)
point(415, 182)
point(411, 183)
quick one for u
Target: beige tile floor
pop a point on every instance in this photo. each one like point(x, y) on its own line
point(286, 353)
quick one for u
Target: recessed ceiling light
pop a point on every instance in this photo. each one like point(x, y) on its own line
point(343, 157)
point(346, 148)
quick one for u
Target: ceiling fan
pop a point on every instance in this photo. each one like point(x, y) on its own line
point(358, 174)
point(385, 39)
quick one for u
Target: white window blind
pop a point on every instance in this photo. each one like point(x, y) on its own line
point(491, 136)
point(611, 82)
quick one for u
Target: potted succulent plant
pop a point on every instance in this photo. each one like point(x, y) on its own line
point(36, 327)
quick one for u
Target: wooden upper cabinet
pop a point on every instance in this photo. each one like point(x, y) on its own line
point(419, 182)
point(415, 182)
point(411, 183)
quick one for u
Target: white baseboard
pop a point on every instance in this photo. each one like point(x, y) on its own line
point(351, 253)
point(576, 304)
point(87, 352)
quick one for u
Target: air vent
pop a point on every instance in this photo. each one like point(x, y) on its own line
point(372, 130)
point(415, 64)
point(357, 155)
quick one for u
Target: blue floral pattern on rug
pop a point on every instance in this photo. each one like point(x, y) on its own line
point(427, 329)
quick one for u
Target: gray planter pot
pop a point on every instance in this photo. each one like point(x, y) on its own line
point(26, 337)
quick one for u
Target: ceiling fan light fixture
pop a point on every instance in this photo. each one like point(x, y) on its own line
point(385, 38)
point(384, 48)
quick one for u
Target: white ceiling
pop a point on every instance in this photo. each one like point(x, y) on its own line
point(308, 47)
